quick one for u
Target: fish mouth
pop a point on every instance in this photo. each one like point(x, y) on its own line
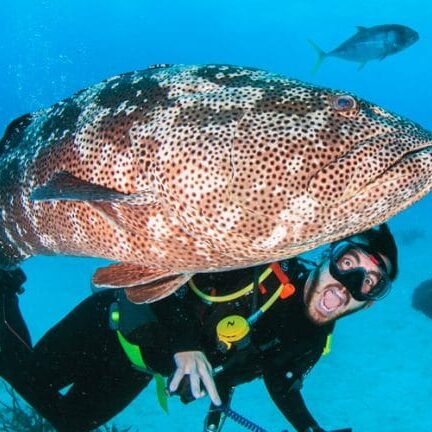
point(427, 147)
point(367, 165)
point(424, 151)
point(406, 180)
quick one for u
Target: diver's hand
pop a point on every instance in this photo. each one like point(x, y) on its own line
point(196, 365)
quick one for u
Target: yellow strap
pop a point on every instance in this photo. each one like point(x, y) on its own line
point(255, 316)
point(134, 355)
point(161, 392)
point(228, 297)
point(328, 345)
point(132, 351)
point(272, 299)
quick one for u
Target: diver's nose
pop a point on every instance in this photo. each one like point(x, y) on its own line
point(346, 295)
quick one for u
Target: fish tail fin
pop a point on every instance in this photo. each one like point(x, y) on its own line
point(321, 56)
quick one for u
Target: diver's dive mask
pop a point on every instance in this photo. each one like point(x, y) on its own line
point(361, 284)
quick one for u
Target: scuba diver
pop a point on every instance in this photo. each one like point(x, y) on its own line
point(218, 331)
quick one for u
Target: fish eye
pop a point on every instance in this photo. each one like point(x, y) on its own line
point(344, 103)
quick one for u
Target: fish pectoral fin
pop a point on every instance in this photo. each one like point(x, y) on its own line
point(142, 284)
point(157, 289)
point(124, 275)
point(64, 186)
point(361, 66)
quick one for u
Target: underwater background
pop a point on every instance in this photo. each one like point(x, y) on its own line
point(378, 375)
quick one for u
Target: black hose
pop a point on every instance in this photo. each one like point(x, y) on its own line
point(247, 424)
point(242, 421)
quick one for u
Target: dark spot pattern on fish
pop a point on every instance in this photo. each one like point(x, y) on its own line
point(61, 121)
point(9, 175)
point(289, 100)
point(10, 255)
point(14, 133)
point(230, 76)
point(12, 247)
point(131, 88)
point(200, 116)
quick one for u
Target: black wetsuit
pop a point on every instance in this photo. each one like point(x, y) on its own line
point(82, 350)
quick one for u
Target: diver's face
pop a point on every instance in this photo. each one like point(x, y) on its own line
point(327, 299)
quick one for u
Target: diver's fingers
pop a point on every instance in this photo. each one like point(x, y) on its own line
point(195, 384)
point(178, 375)
point(196, 365)
point(184, 361)
point(209, 384)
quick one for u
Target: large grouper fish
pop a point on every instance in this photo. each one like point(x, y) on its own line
point(176, 170)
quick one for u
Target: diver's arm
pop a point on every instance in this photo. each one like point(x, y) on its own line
point(286, 394)
point(284, 381)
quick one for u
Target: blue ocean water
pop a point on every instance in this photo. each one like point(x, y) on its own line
point(378, 375)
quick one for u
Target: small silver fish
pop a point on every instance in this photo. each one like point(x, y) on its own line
point(371, 43)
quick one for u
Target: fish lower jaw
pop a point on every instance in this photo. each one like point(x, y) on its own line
point(391, 175)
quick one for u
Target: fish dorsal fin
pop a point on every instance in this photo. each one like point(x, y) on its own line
point(361, 29)
point(64, 186)
point(142, 284)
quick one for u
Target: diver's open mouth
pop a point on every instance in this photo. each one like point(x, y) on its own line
point(331, 299)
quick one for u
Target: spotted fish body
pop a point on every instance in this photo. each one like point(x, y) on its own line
point(182, 169)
